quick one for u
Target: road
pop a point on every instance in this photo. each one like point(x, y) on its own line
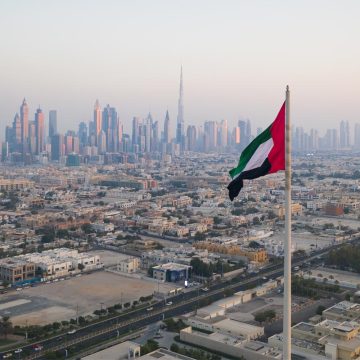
point(182, 303)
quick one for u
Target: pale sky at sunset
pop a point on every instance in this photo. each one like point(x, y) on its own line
point(237, 57)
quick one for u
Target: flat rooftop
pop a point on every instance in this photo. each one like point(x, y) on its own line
point(115, 352)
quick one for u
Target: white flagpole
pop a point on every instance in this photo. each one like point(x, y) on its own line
point(287, 242)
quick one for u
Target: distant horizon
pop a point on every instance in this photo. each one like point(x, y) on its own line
point(237, 60)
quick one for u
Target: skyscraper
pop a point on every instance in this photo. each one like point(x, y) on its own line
point(39, 124)
point(147, 132)
point(52, 123)
point(83, 134)
point(57, 142)
point(211, 135)
point(248, 131)
point(344, 134)
point(167, 134)
point(191, 137)
point(357, 136)
point(223, 133)
point(135, 133)
point(97, 119)
point(243, 137)
point(110, 126)
point(16, 138)
point(24, 119)
point(155, 136)
point(32, 137)
point(180, 118)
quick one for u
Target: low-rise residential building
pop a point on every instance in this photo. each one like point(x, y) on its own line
point(129, 265)
point(103, 227)
point(53, 263)
point(15, 270)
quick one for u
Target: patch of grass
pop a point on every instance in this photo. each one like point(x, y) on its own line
point(4, 342)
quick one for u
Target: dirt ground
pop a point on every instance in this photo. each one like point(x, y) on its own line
point(59, 301)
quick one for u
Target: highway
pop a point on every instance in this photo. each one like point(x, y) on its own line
point(124, 323)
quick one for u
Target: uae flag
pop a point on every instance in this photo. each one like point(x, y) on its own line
point(264, 155)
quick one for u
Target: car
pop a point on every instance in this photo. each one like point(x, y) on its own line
point(18, 351)
point(169, 303)
point(19, 289)
point(37, 347)
point(205, 289)
point(71, 332)
point(150, 308)
point(7, 356)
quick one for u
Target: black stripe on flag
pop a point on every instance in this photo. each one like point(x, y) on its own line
point(236, 185)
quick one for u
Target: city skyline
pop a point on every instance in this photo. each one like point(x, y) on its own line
point(245, 76)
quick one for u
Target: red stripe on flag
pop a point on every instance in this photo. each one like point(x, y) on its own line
point(277, 153)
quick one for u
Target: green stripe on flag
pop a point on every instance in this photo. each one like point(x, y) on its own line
point(248, 152)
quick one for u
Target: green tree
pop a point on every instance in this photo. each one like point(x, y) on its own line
point(151, 345)
point(320, 309)
point(5, 326)
point(81, 267)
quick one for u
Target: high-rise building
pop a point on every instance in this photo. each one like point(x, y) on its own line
point(57, 147)
point(135, 131)
point(14, 137)
point(155, 136)
point(102, 142)
point(211, 135)
point(32, 137)
point(83, 134)
point(52, 123)
point(147, 132)
point(110, 125)
point(4, 151)
point(243, 134)
point(68, 143)
point(314, 140)
point(357, 136)
point(248, 132)
point(180, 118)
point(191, 137)
point(344, 134)
point(223, 134)
point(237, 136)
point(24, 119)
point(97, 119)
point(167, 133)
point(40, 135)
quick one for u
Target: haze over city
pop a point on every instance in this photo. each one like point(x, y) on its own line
point(237, 58)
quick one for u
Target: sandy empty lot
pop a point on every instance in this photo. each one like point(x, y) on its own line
point(58, 301)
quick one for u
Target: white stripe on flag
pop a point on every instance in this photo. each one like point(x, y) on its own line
point(259, 155)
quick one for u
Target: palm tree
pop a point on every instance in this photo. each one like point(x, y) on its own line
point(5, 326)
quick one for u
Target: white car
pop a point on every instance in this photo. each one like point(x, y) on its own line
point(169, 303)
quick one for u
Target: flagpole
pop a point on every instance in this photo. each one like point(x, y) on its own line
point(287, 242)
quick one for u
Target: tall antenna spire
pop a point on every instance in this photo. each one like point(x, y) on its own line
point(180, 118)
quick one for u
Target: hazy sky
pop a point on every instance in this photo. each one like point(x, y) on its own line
point(237, 57)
